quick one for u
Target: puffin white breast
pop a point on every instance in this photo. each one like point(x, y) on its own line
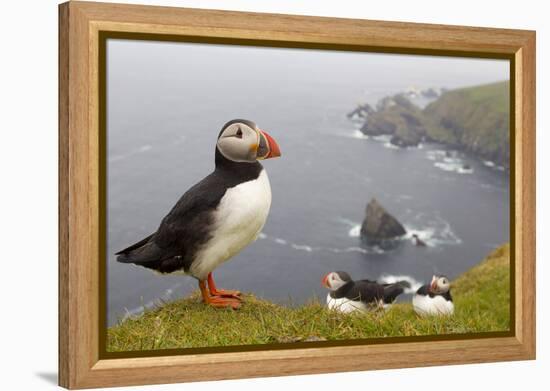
point(345, 305)
point(425, 305)
point(238, 220)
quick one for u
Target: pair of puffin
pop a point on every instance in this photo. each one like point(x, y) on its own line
point(217, 217)
point(347, 295)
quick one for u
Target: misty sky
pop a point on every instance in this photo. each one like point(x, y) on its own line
point(215, 65)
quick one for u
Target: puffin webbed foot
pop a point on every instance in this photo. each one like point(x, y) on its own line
point(224, 302)
point(218, 301)
point(222, 292)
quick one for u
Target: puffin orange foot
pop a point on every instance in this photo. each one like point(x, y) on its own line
point(217, 301)
point(224, 302)
point(221, 292)
point(226, 293)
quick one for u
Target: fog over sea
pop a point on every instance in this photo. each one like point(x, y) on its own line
point(166, 104)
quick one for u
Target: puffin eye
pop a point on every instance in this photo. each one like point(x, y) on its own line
point(239, 133)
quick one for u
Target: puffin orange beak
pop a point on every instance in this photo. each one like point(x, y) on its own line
point(324, 281)
point(268, 147)
point(433, 285)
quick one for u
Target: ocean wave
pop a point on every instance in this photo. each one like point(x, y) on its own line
point(493, 165)
point(448, 161)
point(302, 247)
point(392, 279)
point(355, 231)
point(142, 149)
point(310, 249)
point(358, 135)
point(383, 138)
point(354, 134)
point(434, 232)
point(356, 249)
point(389, 145)
point(457, 167)
point(436, 154)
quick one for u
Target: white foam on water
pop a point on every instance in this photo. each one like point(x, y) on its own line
point(262, 236)
point(389, 145)
point(302, 247)
point(489, 163)
point(142, 149)
point(448, 161)
point(384, 138)
point(457, 167)
point(392, 279)
point(435, 154)
point(359, 135)
point(355, 231)
point(426, 234)
point(436, 232)
point(354, 134)
point(452, 160)
point(447, 235)
point(336, 250)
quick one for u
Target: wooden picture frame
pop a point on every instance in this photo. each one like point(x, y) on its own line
point(81, 25)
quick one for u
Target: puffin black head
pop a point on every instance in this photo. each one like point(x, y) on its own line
point(242, 141)
point(335, 280)
point(440, 284)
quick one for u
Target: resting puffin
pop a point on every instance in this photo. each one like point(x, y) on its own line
point(217, 217)
point(434, 298)
point(347, 295)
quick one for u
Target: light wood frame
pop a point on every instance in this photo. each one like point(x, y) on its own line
point(80, 24)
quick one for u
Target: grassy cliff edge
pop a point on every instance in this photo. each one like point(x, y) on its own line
point(481, 296)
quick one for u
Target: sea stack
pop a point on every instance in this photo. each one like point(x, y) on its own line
point(379, 225)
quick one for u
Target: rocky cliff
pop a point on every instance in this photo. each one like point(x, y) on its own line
point(474, 119)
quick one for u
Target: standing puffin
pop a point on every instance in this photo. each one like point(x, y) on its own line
point(217, 217)
point(347, 295)
point(434, 298)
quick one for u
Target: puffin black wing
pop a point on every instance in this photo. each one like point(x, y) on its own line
point(370, 291)
point(365, 290)
point(184, 229)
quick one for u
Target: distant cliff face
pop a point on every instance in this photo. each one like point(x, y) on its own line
point(475, 119)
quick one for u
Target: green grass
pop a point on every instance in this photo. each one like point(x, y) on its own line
point(481, 298)
point(476, 118)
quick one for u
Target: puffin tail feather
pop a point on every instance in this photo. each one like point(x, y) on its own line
point(135, 245)
point(391, 291)
point(142, 252)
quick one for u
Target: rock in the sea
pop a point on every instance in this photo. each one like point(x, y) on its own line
point(398, 117)
point(361, 111)
point(379, 225)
